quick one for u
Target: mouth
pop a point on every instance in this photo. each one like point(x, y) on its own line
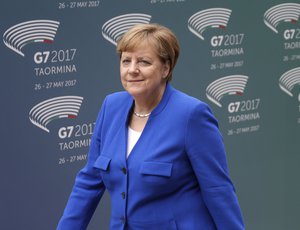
point(136, 80)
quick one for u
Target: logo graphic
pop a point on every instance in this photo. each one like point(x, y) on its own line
point(286, 12)
point(114, 28)
point(209, 18)
point(20, 35)
point(289, 79)
point(231, 85)
point(55, 108)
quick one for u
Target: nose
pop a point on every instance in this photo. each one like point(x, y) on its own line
point(133, 68)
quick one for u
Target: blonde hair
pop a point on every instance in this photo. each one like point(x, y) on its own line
point(161, 38)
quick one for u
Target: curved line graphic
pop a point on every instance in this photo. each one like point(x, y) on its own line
point(209, 18)
point(229, 85)
point(54, 108)
point(114, 28)
point(289, 80)
point(286, 12)
point(19, 35)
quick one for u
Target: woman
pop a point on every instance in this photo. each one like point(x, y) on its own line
point(156, 150)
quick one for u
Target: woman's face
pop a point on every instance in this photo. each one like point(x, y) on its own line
point(142, 72)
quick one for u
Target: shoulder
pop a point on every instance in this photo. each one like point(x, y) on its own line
point(117, 97)
point(115, 104)
point(191, 108)
point(186, 102)
point(118, 100)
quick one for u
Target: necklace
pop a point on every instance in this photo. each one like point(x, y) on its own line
point(141, 115)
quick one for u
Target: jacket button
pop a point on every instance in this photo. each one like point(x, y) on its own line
point(124, 170)
point(122, 219)
point(123, 195)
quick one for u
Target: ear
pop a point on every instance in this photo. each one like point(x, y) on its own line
point(167, 68)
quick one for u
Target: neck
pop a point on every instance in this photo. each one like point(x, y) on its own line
point(145, 105)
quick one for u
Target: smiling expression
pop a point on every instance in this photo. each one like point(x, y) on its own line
point(143, 74)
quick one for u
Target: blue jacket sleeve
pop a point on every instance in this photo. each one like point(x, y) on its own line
point(204, 146)
point(88, 188)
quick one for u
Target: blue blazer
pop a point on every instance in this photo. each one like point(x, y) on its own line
point(176, 176)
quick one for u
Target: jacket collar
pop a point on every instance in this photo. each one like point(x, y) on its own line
point(161, 105)
point(163, 102)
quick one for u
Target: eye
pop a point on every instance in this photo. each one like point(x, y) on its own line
point(125, 61)
point(144, 63)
